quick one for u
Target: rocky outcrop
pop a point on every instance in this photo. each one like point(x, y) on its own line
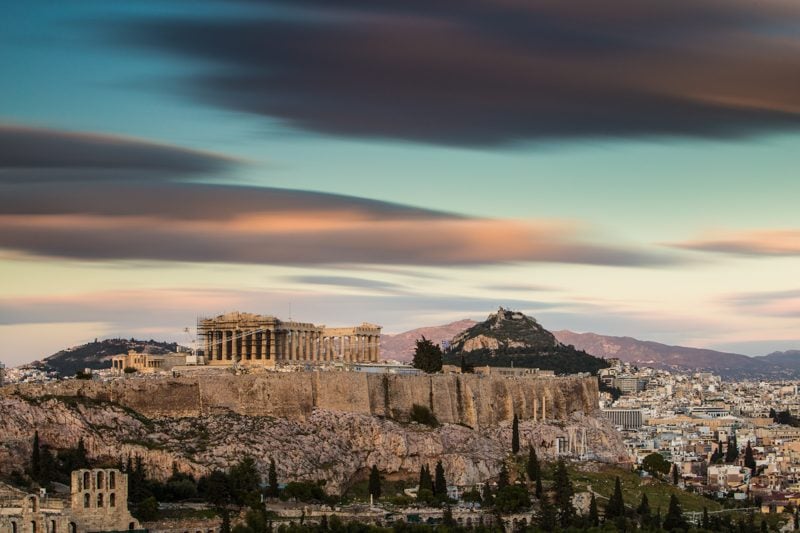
point(336, 446)
point(471, 400)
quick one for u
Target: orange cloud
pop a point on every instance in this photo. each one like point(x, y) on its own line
point(785, 242)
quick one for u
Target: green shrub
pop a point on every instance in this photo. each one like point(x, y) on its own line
point(422, 415)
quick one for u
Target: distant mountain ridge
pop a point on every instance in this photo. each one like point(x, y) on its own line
point(777, 365)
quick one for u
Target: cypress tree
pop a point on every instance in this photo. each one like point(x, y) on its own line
point(644, 507)
point(732, 453)
point(440, 483)
point(706, 524)
point(532, 467)
point(272, 479)
point(538, 490)
point(486, 495)
point(81, 457)
point(375, 482)
point(674, 518)
point(36, 458)
point(547, 516)
point(564, 492)
point(502, 479)
point(594, 518)
point(515, 435)
point(225, 527)
point(616, 504)
point(749, 460)
point(675, 475)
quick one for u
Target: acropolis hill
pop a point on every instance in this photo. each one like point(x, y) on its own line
point(467, 399)
point(317, 425)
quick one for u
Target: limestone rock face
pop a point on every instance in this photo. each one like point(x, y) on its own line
point(503, 330)
point(336, 446)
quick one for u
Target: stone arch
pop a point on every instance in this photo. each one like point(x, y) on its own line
point(112, 480)
point(86, 501)
point(33, 526)
point(86, 482)
point(99, 500)
point(73, 527)
point(53, 528)
point(34, 503)
point(100, 480)
point(13, 527)
point(132, 526)
point(112, 500)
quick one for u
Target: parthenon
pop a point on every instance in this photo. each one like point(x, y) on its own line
point(252, 339)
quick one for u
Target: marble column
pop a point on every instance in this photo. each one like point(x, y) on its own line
point(235, 344)
point(273, 347)
point(226, 354)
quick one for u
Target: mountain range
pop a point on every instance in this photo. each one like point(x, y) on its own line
point(777, 365)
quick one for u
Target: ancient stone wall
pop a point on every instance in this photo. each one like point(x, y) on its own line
point(468, 399)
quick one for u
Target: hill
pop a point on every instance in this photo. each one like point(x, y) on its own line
point(400, 346)
point(97, 355)
point(510, 338)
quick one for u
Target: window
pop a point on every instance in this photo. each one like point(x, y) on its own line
point(33, 527)
point(13, 527)
point(112, 480)
point(112, 500)
point(100, 500)
point(86, 481)
point(100, 479)
point(53, 526)
point(33, 502)
point(86, 501)
point(73, 528)
point(132, 525)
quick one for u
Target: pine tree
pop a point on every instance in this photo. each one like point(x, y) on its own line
point(616, 504)
point(272, 479)
point(427, 356)
point(749, 460)
point(532, 467)
point(594, 518)
point(644, 507)
point(502, 478)
point(515, 435)
point(674, 518)
point(36, 458)
point(440, 483)
point(706, 524)
point(564, 492)
point(375, 483)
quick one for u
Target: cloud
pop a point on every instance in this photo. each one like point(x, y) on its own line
point(168, 220)
point(45, 155)
point(349, 282)
point(483, 73)
point(784, 303)
point(783, 242)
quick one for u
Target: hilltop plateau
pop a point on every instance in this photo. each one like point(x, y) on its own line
point(97, 355)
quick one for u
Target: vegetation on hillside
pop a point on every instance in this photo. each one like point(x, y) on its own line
point(97, 355)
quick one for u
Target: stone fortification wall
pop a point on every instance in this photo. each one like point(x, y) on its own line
point(472, 400)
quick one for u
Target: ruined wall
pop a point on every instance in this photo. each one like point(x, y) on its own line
point(467, 399)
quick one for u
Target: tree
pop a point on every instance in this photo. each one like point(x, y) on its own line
point(616, 504)
point(511, 499)
point(245, 481)
point(676, 476)
point(440, 483)
point(564, 491)
point(225, 527)
point(538, 489)
point(655, 465)
point(515, 435)
point(147, 510)
point(375, 483)
point(717, 456)
point(732, 452)
point(36, 458)
point(447, 517)
point(772, 414)
point(427, 356)
point(532, 466)
point(749, 460)
point(674, 518)
point(502, 478)
point(594, 518)
point(425, 480)
point(547, 516)
point(706, 524)
point(644, 507)
point(272, 479)
point(486, 495)
point(81, 457)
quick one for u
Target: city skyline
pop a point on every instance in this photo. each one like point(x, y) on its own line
point(605, 169)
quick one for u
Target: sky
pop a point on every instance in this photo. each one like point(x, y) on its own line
point(625, 167)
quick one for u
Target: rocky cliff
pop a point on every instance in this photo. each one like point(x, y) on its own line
point(468, 399)
point(336, 446)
